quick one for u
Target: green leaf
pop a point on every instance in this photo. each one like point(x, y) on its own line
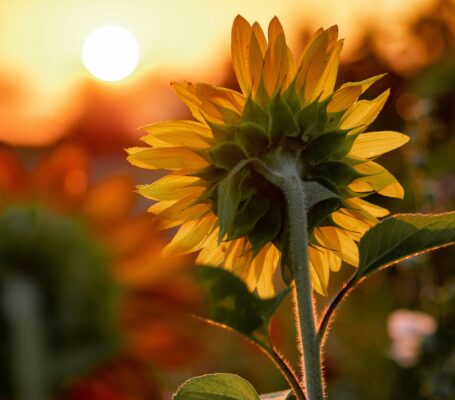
point(216, 387)
point(402, 236)
point(233, 305)
point(230, 196)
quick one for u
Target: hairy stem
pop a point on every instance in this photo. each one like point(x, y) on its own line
point(293, 190)
point(284, 368)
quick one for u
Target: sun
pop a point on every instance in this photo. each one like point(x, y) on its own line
point(110, 53)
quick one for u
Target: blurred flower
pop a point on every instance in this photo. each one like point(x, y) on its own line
point(148, 300)
point(407, 329)
point(283, 107)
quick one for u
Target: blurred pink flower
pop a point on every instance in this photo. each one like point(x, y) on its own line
point(407, 329)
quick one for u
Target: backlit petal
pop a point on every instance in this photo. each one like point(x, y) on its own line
point(349, 92)
point(337, 240)
point(362, 113)
point(373, 144)
point(240, 39)
point(172, 158)
point(190, 237)
point(171, 187)
point(380, 179)
point(177, 134)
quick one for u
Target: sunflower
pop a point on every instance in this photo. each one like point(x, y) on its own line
point(225, 208)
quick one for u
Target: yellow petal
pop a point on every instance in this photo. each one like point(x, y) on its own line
point(349, 92)
point(380, 179)
point(218, 104)
point(373, 144)
point(362, 113)
point(235, 256)
point(190, 237)
point(275, 30)
point(351, 223)
point(314, 60)
point(318, 41)
point(260, 37)
point(319, 269)
point(361, 186)
point(327, 81)
point(171, 187)
point(172, 158)
point(177, 213)
point(212, 253)
point(240, 39)
point(265, 267)
point(265, 285)
point(372, 209)
point(275, 65)
point(256, 63)
point(337, 240)
point(177, 134)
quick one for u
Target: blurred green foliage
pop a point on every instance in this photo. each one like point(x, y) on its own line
point(54, 281)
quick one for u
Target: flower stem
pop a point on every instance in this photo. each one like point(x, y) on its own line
point(284, 368)
point(282, 169)
point(293, 190)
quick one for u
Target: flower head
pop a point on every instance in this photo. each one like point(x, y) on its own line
point(225, 208)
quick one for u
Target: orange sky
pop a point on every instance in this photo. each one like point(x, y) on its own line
point(40, 45)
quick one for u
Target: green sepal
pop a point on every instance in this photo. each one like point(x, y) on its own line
point(338, 172)
point(246, 218)
point(233, 305)
point(220, 386)
point(346, 146)
point(266, 229)
point(210, 174)
point(229, 196)
point(281, 119)
point(253, 112)
point(226, 155)
point(252, 138)
point(222, 131)
point(312, 120)
point(321, 210)
point(291, 98)
point(333, 119)
point(322, 147)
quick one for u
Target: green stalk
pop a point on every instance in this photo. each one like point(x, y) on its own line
point(292, 187)
point(284, 368)
point(282, 170)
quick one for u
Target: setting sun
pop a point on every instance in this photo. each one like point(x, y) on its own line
point(110, 53)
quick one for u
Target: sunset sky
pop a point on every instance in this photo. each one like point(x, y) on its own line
point(41, 68)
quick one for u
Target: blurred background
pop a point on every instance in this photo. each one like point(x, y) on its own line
point(88, 307)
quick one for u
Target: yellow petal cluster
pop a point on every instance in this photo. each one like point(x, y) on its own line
point(264, 66)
